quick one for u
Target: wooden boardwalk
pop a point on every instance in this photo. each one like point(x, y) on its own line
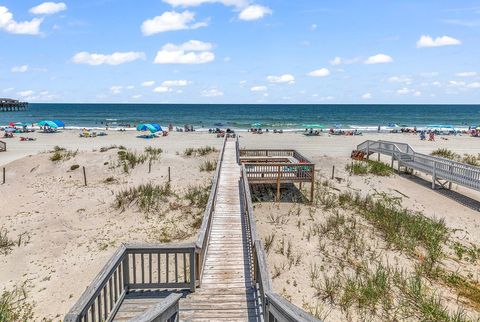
point(226, 291)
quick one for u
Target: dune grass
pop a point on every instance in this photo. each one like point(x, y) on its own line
point(147, 197)
point(369, 167)
point(14, 305)
point(470, 159)
point(6, 244)
point(202, 151)
point(60, 154)
point(208, 166)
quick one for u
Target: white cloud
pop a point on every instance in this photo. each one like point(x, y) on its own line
point(286, 78)
point(48, 8)
point(191, 52)
point(258, 88)
point(378, 59)
point(27, 93)
point(254, 12)
point(400, 79)
point(336, 61)
point(169, 21)
point(175, 83)
point(367, 96)
point(148, 83)
point(8, 24)
point(313, 27)
point(130, 87)
point(195, 3)
point(136, 96)
point(20, 69)
point(322, 72)
point(162, 89)
point(116, 89)
point(474, 85)
point(457, 83)
point(466, 74)
point(427, 41)
point(405, 91)
point(9, 89)
point(116, 58)
point(213, 92)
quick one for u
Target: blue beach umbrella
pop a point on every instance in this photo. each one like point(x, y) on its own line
point(59, 123)
point(51, 124)
point(147, 127)
point(157, 126)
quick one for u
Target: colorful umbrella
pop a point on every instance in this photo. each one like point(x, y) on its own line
point(147, 127)
point(157, 126)
point(51, 124)
point(59, 123)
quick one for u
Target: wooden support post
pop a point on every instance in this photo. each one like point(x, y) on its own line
point(312, 188)
point(434, 175)
point(378, 158)
point(301, 185)
point(169, 178)
point(333, 172)
point(278, 185)
point(149, 165)
point(368, 150)
point(3, 175)
point(84, 176)
point(391, 165)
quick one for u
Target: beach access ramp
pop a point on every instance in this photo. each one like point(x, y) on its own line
point(223, 276)
point(443, 171)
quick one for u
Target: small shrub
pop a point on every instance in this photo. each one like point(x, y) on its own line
point(147, 197)
point(14, 305)
point(369, 167)
point(74, 167)
point(189, 152)
point(445, 153)
point(208, 166)
point(109, 180)
point(6, 244)
point(62, 154)
point(198, 196)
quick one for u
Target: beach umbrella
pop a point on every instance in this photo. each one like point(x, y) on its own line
point(157, 126)
point(11, 124)
point(51, 124)
point(10, 129)
point(59, 123)
point(20, 124)
point(478, 127)
point(147, 127)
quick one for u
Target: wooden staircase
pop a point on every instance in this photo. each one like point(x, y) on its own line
point(226, 291)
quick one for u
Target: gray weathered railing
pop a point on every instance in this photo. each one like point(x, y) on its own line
point(135, 267)
point(274, 306)
point(439, 168)
point(3, 146)
point(166, 310)
point(273, 153)
point(203, 235)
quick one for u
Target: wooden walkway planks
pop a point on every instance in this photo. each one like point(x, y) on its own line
point(226, 291)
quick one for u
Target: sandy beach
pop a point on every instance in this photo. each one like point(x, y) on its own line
point(68, 231)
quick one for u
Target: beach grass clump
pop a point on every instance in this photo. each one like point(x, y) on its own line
point(208, 166)
point(153, 153)
point(147, 197)
point(62, 154)
point(445, 153)
point(369, 167)
point(129, 159)
point(6, 244)
point(14, 305)
point(471, 159)
point(198, 196)
point(202, 151)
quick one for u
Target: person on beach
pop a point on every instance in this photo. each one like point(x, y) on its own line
point(431, 136)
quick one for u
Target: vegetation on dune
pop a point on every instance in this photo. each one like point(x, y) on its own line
point(147, 197)
point(130, 159)
point(208, 166)
point(369, 167)
point(14, 305)
point(60, 153)
point(202, 151)
point(470, 159)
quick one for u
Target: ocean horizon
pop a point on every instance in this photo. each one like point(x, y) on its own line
point(244, 116)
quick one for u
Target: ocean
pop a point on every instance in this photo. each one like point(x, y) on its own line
point(287, 117)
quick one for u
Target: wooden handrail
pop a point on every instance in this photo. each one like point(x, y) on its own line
point(275, 307)
point(166, 310)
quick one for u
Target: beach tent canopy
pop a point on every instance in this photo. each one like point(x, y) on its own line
point(51, 124)
point(157, 126)
point(59, 123)
point(10, 129)
point(148, 127)
point(313, 126)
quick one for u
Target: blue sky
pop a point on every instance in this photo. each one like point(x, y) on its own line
point(241, 51)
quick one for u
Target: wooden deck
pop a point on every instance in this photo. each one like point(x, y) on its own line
point(226, 291)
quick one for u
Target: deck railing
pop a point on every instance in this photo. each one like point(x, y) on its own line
point(279, 171)
point(440, 168)
point(274, 306)
point(3, 146)
point(135, 267)
point(245, 153)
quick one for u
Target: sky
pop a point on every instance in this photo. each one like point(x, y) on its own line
point(241, 51)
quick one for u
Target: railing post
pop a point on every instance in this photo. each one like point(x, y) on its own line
point(368, 150)
point(434, 176)
point(126, 272)
point(193, 261)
